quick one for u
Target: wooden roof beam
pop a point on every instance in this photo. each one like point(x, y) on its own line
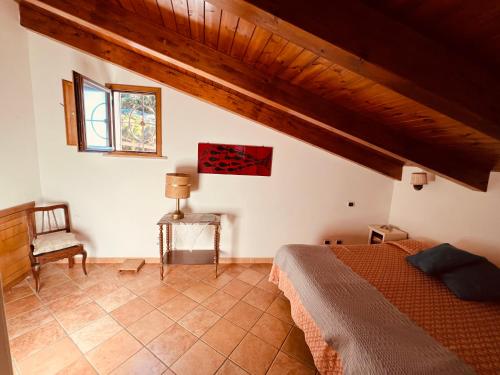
point(364, 41)
point(125, 29)
point(71, 34)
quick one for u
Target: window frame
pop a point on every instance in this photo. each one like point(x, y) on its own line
point(156, 91)
point(79, 81)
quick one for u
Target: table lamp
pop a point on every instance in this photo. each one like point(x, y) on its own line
point(177, 187)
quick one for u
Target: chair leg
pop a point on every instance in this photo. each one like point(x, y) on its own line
point(84, 261)
point(35, 268)
point(71, 262)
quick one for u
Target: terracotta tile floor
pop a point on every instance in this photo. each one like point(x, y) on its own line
point(191, 323)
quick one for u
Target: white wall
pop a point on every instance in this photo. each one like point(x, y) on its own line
point(117, 201)
point(446, 212)
point(19, 180)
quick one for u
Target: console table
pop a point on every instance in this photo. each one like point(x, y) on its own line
point(186, 256)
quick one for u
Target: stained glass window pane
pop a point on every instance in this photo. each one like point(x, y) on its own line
point(135, 121)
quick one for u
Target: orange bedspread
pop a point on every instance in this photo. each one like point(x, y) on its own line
point(470, 329)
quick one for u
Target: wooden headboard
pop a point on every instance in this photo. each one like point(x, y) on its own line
point(14, 243)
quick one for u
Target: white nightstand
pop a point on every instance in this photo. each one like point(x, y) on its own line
point(381, 233)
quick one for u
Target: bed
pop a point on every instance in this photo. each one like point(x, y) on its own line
point(438, 333)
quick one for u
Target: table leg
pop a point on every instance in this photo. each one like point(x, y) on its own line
point(161, 251)
point(169, 241)
point(216, 248)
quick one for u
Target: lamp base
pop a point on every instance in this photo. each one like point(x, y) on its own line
point(177, 215)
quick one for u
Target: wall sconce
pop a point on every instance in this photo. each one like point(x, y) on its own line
point(418, 180)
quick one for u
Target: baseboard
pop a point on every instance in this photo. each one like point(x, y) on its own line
point(155, 260)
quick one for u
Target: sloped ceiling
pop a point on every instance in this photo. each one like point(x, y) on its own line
point(343, 76)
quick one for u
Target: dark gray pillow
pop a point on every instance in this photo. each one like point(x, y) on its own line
point(474, 282)
point(442, 258)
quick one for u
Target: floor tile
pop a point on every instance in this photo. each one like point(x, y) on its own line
point(250, 277)
point(200, 359)
point(100, 289)
point(27, 321)
point(200, 272)
point(79, 367)
point(171, 344)
point(199, 291)
point(55, 292)
point(35, 340)
point(271, 330)
point(95, 333)
point(151, 269)
point(115, 299)
point(295, 346)
point(229, 368)
point(237, 288)
point(254, 355)
point(178, 306)
point(218, 282)
point(52, 359)
point(234, 270)
point(141, 363)
point(140, 286)
point(22, 305)
point(113, 352)
point(280, 308)
point(179, 281)
point(224, 336)
point(160, 295)
point(50, 280)
point(263, 268)
point(243, 315)
point(131, 311)
point(285, 365)
point(268, 286)
point(199, 320)
point(18, 291)
point(69, 302)
point(220, 302)
point(150, 326)
point(259, 298)
point(76, 319)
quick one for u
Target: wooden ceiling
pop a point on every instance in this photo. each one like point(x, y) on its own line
point(344, 76)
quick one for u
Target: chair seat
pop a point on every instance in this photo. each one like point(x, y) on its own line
point(47, 243)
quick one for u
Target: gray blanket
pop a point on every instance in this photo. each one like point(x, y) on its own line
point(369, 333)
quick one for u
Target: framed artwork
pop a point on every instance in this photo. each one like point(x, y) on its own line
point(234, 159)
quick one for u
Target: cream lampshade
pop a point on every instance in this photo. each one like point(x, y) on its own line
point(178, 187)
point(418, 180)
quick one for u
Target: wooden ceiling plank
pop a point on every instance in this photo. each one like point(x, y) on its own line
point(385, 51)
point(318, 66)
point(228, 25)
point(122, 28)
point(296, 67)
point(256, 45)
point(68, 32)
point(270, 52)
point(284, 58)
point(181, 17)
point(153, 11)
point(212, 25)
point(196, 10)
point(167, 14)
point(242, 38)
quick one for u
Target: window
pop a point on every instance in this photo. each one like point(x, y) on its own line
point(122, 119)
point(93, 115)
point(137, 112)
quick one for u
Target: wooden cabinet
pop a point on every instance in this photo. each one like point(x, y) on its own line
point(383, 233)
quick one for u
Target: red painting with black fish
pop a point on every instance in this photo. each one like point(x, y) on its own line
point(234, 159)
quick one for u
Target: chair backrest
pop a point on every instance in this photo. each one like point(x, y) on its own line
point(43, 220)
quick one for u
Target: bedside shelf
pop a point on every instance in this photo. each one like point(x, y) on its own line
point(378, 235)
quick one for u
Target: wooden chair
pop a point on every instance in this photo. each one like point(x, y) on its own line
point(52, 244)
